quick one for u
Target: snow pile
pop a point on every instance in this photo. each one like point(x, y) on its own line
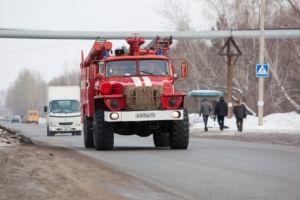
point(275, 122)
point(3, 141)
point(10, 137)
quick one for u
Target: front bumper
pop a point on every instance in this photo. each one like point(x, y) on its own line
point(64, 129)
point(138, 116)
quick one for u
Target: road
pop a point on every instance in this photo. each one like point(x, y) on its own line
point(209, 169)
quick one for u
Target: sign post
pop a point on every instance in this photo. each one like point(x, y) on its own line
point(260, 102)
point(262, 70)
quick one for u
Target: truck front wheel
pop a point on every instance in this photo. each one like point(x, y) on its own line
point(88, 132)
point(179, 133)
point(103, 132)
point(161, 139)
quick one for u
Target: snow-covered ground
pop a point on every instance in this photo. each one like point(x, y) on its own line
point(274, 123)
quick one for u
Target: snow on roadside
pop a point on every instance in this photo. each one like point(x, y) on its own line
point(277, 122)
point(10, 137)
point(3, 141)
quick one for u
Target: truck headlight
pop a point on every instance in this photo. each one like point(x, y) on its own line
point(114, 116)
point(176, 114)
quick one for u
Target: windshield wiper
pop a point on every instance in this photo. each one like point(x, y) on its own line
point(149, 73)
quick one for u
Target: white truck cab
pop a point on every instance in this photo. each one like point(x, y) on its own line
point(63, 110)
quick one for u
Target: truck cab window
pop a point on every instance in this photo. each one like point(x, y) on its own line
point(153, 67)
point(101, 67)
point(121, 68)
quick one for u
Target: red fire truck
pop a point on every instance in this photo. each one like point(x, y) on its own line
point(132, 92)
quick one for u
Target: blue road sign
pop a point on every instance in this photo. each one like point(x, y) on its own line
point(262, 70)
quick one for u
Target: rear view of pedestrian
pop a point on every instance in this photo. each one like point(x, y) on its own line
point(221, 110)
point(205, 110)
point(239, 111)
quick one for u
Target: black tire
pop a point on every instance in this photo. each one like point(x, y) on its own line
point(78, 132)
point(179, 133)
point(103, 132)
point(161, 139)
point(88, 132)
point(73, 133)
point(48, 132)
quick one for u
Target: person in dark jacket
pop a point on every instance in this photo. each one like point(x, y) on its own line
point(205, 110)
point(239, 111)
point(221, 110)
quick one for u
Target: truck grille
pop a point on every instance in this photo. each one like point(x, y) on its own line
point(143, 98)
point(65, 123)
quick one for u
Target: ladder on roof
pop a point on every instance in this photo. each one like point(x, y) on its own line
point(160, 43)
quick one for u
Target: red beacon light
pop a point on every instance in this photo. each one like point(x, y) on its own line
point(106, 88)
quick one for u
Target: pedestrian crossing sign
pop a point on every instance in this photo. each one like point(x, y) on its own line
point(262, 70)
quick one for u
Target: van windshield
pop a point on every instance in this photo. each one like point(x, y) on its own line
point(64, 106)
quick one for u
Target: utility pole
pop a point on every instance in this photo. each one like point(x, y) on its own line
point(230, 52)
point(260, 102)
point(230, 67)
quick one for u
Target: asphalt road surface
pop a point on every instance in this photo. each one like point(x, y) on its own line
point(208, 169)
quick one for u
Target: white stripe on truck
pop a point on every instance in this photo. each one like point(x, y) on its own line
point(147, 81)
point(137, 81)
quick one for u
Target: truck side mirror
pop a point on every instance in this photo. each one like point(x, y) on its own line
point(45, 109)
point(175, 76)
point(184, 70)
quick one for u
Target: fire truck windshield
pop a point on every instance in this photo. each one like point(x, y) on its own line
point(153, 67)
point(121, 68)
point(128, 68)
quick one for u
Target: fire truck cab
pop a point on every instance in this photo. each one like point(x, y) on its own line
point(132, 93)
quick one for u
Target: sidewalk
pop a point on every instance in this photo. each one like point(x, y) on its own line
point(276, 123)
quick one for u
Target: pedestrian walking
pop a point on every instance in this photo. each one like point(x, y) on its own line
point(205, 110)
point(221, 110)
point(239, 111)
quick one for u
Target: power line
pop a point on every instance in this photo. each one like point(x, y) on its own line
point(39, 48)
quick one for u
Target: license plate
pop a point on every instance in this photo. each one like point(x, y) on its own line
point(145, 115)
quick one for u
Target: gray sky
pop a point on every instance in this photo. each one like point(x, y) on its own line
point(52, 57)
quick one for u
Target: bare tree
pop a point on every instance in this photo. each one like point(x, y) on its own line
point(70, 77)
point(28, 92)
point(207, 69)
